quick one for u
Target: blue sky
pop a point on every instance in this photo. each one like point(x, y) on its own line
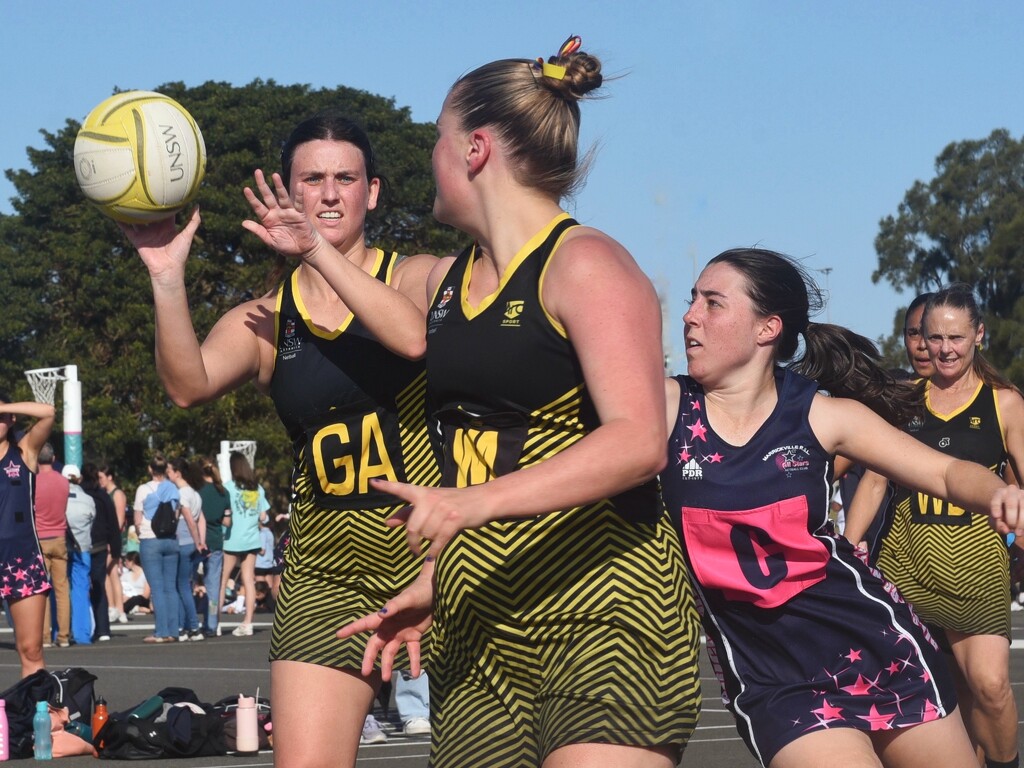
point(792, 125)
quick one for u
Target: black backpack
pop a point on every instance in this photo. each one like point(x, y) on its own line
point(165, 521)
point(71, 688)
point(166, 733)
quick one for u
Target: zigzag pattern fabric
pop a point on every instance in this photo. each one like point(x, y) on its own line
point(344, 564)
point(949, 564)
point(576, 626)
point(956, 577)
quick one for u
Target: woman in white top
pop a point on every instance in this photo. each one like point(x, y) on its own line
point(191, 537)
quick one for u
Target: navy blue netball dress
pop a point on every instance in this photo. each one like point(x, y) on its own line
point(22, 571)
point(802, 634)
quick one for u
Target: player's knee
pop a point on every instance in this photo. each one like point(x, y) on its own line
point(991, 689)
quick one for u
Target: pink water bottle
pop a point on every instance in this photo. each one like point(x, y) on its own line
point(247, 740)
point(5, 749)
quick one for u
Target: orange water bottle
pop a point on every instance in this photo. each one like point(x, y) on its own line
point(99, 717)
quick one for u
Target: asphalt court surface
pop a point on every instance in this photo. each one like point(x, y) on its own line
point(130, 671)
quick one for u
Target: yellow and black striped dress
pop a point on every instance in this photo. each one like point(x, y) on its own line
point(574, 627)
point(354, 412)
point(951, 565)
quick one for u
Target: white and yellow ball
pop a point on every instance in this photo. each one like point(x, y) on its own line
point(140, 157)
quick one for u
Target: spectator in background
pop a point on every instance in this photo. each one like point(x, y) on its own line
point(191, 537)
point(266, 570)
point(115, 600)
point(134, 585)
point(216, 504)
point(52, 528)
point(106, 548)
point(242, 538)
point(81, 512)
point(159, 556)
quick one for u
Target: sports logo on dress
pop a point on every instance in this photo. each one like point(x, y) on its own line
point(691, 471)
point(915, 424)
point(513, 310)
point(945, 442)
point(790, 458)
point(12, 469)
point(975, 422)
point(291, 344)
point(446, 296)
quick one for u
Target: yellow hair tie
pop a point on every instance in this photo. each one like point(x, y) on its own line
point(557, 71)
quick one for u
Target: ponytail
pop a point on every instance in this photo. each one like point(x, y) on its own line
point(846, 364)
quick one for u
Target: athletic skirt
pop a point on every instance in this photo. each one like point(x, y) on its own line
point(22, 568)
point(956, 576)
point(574, 627)
point(846, 652)
point(339, 567)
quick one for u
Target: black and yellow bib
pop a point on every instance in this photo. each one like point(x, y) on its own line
point(950, 564)
point(505, 385)
point(972, 433)
point(353, 409)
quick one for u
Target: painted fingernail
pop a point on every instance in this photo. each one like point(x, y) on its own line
point(429, 558)
point(383, 611)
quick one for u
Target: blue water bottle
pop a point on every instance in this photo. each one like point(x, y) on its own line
point(41, 732)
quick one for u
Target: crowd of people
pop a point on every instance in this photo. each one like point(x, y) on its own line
point(586, 518)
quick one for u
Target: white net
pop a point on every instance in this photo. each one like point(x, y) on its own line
point(245, 447)
point(44, 383)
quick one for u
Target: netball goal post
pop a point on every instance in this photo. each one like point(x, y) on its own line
point(44, 389)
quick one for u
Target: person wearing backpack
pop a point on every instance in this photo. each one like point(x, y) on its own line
point(159, 555)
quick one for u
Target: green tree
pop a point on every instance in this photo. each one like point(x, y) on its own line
point(83, 297)
point(966, 224)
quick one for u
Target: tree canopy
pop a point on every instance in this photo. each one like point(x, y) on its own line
point(966, 224)
point(78, 294)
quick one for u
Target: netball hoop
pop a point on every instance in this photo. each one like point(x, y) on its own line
point(245, 447)
point(44, 389)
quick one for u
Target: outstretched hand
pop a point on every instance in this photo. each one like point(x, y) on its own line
point(163, 248)
point(1007, 510)
point(403, 620)
point(283, 224)
point(436, 514)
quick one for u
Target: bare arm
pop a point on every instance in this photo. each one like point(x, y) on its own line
point(1011, 414)
point(37, 435)
point(610, 313)
point(863, 507)
point(231, 355)
point(847, 427)
point(394, 314)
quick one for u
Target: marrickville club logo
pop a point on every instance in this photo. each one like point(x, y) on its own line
point(790, 458)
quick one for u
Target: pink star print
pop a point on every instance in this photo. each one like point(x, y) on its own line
point(25, 590)
point(827, 713)
point(930, 712)
point(698, 430)
point(853, 655)
point(685, 455)
point(893, 668)
point(5, 592)
point(695, 405)
point(862, 687)
point(21, 574)
point(715, 458)
point(879, 722)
